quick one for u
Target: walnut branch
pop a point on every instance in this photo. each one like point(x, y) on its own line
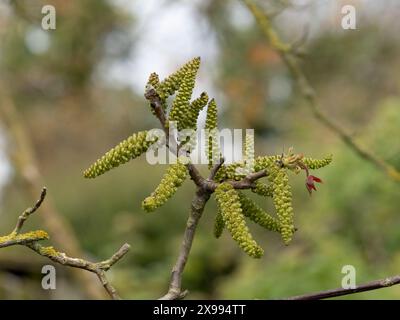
point(248, 181)
point(369, 286)
point(30, 240)
point(288, 55)
point(197, 207)
point(205, 187)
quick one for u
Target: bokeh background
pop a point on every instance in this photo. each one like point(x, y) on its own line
point(70, 94)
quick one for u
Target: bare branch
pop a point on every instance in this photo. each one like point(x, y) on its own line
point(197, 207)
point(30, 240)
point(156, 103)
point(99, 268)
point(288, 55)
point(248, 181)
point(25, 215)
point(369, 286)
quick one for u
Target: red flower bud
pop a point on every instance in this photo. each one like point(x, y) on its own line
point(310, 183)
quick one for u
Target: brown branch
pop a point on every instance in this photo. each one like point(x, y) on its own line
point(369, 286)
point(98, 268)
point(156, 103)
point(25, 215)
point(288, 55)
point(197, 207)
point(30, 240)
point(248, 182)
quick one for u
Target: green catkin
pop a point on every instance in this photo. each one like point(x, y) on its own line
point(248, 159)
point(219, 225)
point(230, 172)
point(168, 86)
point(174, 177)
point(257, 214)
point(317, 163)
point(282, 197)
point(190, 121)
point(212, 115)
point(212, 145)
point(229, 205)
point(180, 105)
point(154, 80)
point(262, 189)
point(249, 149)
point(126, 150)
point(266, 163)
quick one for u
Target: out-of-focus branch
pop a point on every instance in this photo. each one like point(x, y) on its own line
point(369, 286)
point(30, 240)
point(288, 55)
point(25, 215)
point(24, 160)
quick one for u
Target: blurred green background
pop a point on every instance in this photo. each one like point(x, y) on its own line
point(79, 91)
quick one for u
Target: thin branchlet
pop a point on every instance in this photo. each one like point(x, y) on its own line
point(31, 240)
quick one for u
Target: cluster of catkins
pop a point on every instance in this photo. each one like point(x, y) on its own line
point(233, 205)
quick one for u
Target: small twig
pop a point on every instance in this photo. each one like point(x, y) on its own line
point(156, 103)
point(288, 55)
point(25, 215)
point(30, 240)
point(196, 176)
point(215, 168)
point(369, 286)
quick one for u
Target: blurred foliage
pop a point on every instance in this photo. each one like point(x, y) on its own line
point(73, 117)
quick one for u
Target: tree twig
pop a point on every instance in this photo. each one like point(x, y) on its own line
point(288, 55)
point(31, 240)
point(369, 286)
point(25, 215)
